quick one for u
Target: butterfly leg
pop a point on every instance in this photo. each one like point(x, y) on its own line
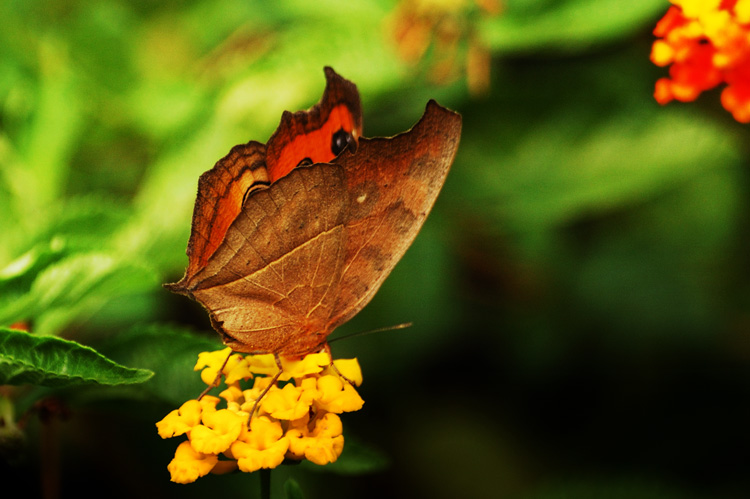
point(266, 390)
point(216, 380)
point(335, 369)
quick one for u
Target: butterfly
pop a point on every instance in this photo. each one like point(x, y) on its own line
point(292, 238)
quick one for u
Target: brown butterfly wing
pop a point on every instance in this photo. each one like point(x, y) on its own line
point(311, 250)
point(392, 185)
point(272, 284)
point(310, 136)
point(304, 135)
point(220, 194)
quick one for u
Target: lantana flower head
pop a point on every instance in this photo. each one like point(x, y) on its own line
point(705, 43)
point(269, 411)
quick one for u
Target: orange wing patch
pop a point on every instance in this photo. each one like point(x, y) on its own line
point(221, 191)
point(315, 146)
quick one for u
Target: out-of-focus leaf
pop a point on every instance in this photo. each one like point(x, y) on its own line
point(657, 276)
point(245, 102)
point(18, 275)
point(39, 168)
point(292, 490)
point(54, 362)
point(72, 288)
point(569, 25)
point(170, 352)
point(84, 223)
point(592, 145)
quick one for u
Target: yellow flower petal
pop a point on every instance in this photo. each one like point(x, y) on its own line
point(309, 364)
point(233, 393)
point(253, 459)
point(217, 433)
point(742, 11)
point(322, 452)
point(234, 369)
point(337, 395)
point(262, 446)
point(662, 53)
point(290, 402)
point(188, 465)
point(180, 420)
point(209, 403)
point(349, 368)
point(262, 364)
point(696, 8)
point(250, 396)
point(322, 445)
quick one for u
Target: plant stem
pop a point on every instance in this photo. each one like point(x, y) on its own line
point(265, 483)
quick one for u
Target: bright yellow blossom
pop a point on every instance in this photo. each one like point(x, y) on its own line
point(262, 364)
point(349, 369)
point(337, 395)
point(309, 364)
point(262, 446)
point(290, 414)
point(290, 402)
point(188, 464)
point(322, 444)
point(218, 431)
point(181, 420)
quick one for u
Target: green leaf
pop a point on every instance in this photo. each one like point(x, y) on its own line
point(171, 352)
point(39, 169)
point(72, 288)
point(18, 275)
point(531, 25)
point(292, 490)
point(85, 223)
point(589, 144)
point(54, 362)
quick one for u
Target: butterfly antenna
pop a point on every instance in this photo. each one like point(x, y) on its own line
point(403, 325)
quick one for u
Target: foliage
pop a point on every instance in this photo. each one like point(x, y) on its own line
point(579, 293)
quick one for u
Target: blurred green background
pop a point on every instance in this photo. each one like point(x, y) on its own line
point(579, 293)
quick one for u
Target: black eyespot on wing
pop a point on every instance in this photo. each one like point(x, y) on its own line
point(305, 161)
point(340, 141)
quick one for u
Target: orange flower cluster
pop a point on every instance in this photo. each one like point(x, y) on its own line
point(264, 424)
point(705, 43)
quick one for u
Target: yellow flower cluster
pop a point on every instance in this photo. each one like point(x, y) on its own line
point(294, 414)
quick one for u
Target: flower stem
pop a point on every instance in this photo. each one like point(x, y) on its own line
point(265, 483)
